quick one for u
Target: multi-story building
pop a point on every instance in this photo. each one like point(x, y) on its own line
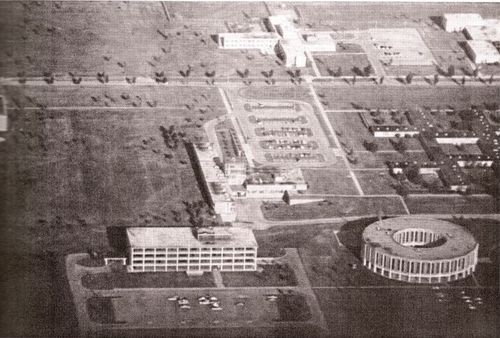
point(194, 250)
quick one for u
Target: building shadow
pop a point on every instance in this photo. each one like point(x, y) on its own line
point(117, 239)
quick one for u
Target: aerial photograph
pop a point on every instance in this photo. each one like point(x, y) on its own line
point(249, 169)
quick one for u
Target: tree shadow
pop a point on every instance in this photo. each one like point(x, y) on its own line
point(437, 20)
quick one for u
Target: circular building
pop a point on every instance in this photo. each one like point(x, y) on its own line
point(419, 250)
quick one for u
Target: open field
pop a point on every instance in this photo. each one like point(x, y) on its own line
point(329, 64)
point(352, 132)
point(324, 181)
point(375, 182)
point(414, 312)
point(304, 330)
point(345, 16)
point(137, 96)
point(104, 34)
point(69, 175)
point(369, 160)
point(480, 204)
point(409, 97)
point(333, 207)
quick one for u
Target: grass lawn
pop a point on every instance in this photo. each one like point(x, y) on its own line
point(329, 64)
point(299, 93)
point(455, 204)
point(486, 232)
point(407, 312)
point(293, 308)
point(125, 280)
point(405, 97)
point(303, 330)
point(119, 38)
point(272, 241)
point(324, 181)
point(271, 275)
point(333, 207)
point(176, 98)
point(71, 175)
point(352, 132)
point(100, 310)
point(375, 182)
point(379, 159)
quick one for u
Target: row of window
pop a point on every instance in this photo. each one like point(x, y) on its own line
point(198, 268)
point(402, 265)
point(192, 249)
point(249, 254)
point(192, 261)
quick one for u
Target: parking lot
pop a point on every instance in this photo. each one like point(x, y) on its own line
point(283, 133)
point(239, 308)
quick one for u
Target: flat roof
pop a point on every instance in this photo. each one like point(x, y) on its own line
point(182, 237)
point(490, 32)
point(459, 241)
point(482, 47)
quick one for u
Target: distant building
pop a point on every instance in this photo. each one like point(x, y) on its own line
point(456, 22)
point(456, 137)
point(394, 131)
point(293, 54)
point(263, 185)
point(481, 51)
point(265, 41)
point(160, 249)
point(215, 184)
point(283, 38)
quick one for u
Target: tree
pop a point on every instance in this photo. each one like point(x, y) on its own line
point(451, 70)
point(436, 79)
point(367, 70)
point(381, 81)
point(370, 146)
point(409, 78)
point(354, 80)
point(339, 72)
point(490, 81)
point(475, 72)
point(463, 80)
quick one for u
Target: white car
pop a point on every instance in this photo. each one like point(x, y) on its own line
point(204, 302)
point(213, 299)
point(185, 306)
point(173, 298)
point(183, 302)
point(217, 309)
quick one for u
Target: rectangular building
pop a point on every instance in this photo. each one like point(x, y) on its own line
point(160, 249)
point(264, 42)
point(481, 51)
point(456, 22)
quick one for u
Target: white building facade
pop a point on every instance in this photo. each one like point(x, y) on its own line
point(162, 249)
point(456, 22)
point(481, 51)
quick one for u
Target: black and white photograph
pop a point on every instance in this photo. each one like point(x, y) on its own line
point(249, 169)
